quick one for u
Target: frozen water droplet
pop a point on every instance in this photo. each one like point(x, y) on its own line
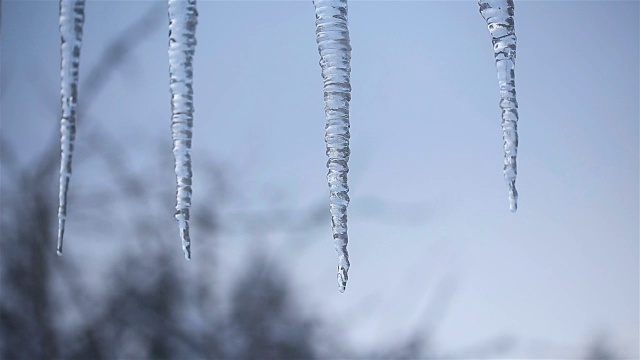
point(71, 23)
point(183, 18)
point(499, 17)
point(332, 36)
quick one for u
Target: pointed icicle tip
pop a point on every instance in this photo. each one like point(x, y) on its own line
point(513, 199)
point(60, 235)
point(342, 279)
point(183, 224)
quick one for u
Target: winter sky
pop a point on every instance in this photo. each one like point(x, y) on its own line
point(429, 211)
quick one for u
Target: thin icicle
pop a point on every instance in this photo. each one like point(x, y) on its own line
point(499, 17)
point(332, 36)
point(183, 18)
point(71, 22)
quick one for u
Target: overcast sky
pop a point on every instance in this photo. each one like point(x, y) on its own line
point(428, 198)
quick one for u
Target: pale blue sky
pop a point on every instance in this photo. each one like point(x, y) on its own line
point(425, 136)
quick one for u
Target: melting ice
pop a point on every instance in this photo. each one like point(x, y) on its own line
point(499, 17)
point(71, 22)
point(332, 36)
point(183, 18)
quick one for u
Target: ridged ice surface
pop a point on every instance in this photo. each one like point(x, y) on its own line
point(332, 36)
point(499, 17)
point(71, 22)
point(183, 18)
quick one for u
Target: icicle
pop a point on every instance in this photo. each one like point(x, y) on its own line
point(332, 36)
point(71, 22)
point(183, 18)
point(499, 17)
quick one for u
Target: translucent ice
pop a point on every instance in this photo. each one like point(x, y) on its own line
point(183, 18)
point(71, 22)
point(332, 36)
point(499, 17)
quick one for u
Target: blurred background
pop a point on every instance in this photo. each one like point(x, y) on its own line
point(440, 267)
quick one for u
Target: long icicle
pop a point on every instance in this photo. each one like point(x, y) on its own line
point(183, 18)
point(71, 23)
point(499, 17)
point(332, 36)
